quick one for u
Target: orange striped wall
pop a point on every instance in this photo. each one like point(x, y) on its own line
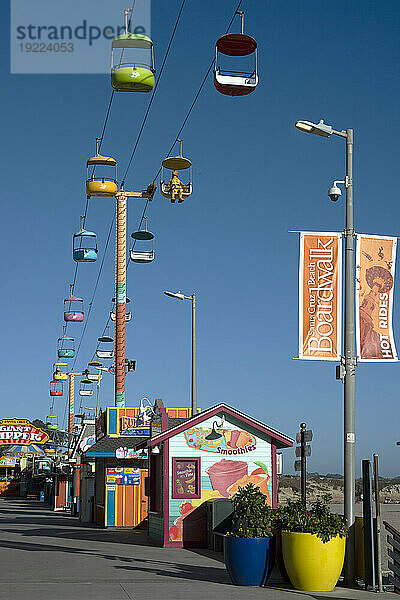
point(125, 505)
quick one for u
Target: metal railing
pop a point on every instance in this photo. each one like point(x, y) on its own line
point(393, 540)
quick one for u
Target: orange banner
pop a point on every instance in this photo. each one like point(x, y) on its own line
point(376, 258)
point(320, 296)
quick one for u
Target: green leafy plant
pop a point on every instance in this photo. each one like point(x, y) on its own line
point(252, 517)
point(317, 519)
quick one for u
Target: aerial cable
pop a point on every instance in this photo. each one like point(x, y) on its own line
point(98, 343)
point(90, 309)
point(153, 94)
point(198, 94)
point(136, 144)
point(95, 289)
point(184, 121)
point(145, 119)
point(87, 204)
point(100, 143)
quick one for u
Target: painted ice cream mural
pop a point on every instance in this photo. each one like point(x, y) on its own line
point(233, 465)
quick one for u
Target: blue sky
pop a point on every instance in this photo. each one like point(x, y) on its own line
point(255, 177)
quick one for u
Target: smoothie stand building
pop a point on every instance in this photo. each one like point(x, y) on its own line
point(204, 458)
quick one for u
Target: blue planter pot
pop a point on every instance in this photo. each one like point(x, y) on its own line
point(249, 561)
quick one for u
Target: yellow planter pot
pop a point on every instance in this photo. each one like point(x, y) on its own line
point(312, 565)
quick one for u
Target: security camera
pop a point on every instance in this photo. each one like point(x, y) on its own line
point(334, 192)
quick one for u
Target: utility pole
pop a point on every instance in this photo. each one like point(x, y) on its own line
point(194, 376)
point(120, 286)
point(302, 452)
point(71, 407)
point(350, 362)
point(120, 297)
point(350, 359)
point(303, 463)
point(181, 296)
point(378, 543)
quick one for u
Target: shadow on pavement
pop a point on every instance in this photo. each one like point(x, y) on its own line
point(132, 537)
point(179, 570)
point(155, 567)
point(40, 523)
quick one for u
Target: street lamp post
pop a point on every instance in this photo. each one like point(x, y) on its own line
point(71, 407)
point(181, 296)
point(349, 340)
point(100, 368)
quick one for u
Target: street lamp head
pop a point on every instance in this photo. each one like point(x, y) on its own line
point(177, 295)
point(319, 129)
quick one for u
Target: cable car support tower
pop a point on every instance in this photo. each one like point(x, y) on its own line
point(120, 286)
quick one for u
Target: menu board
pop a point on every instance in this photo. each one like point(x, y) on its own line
point(123, 475)
point(185, 478)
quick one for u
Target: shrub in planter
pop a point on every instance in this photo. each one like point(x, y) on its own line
point(249, 548)
point(313, 544)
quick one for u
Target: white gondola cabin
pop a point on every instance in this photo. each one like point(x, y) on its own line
point(139, 255)
point(93, 375)
point(86, 387)
point(234, 82)
point(128, 310)
point(105, 347)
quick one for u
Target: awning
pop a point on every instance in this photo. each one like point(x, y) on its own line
point(107, 446)
point(21, 449)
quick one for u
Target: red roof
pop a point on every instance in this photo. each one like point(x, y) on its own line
point(236, 44)
point(282, 440)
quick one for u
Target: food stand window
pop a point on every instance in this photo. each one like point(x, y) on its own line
point(186, 478)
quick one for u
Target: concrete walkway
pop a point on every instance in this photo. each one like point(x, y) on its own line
point(49, 556)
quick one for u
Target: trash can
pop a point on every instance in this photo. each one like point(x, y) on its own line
point(219, 520)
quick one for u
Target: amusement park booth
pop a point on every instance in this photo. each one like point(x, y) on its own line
point(82, 492)
point(62, 492)
point(120, 498)
point(206, 458)
point(9, 475)
point(21, 446)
